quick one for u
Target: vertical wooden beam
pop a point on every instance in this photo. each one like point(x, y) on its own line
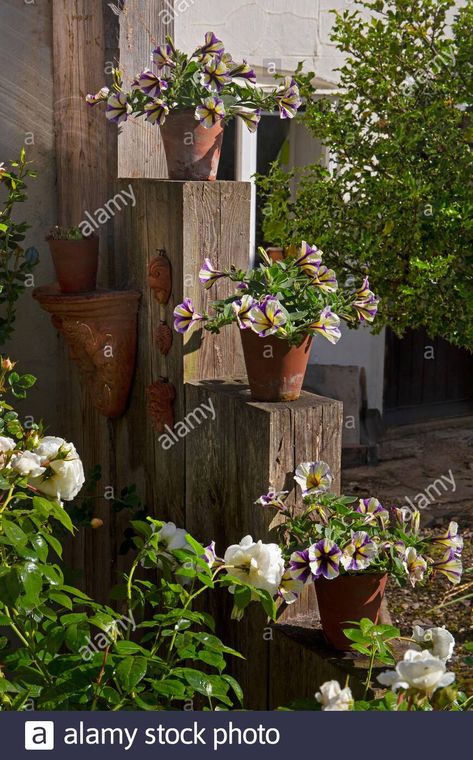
point(142, 28)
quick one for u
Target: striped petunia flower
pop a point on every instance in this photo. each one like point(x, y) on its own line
point(267, 317)
point(118, 108)
point(215, 75)
point(99, 96)
point(288, 99)
point(451, 566)
point(325, 279)
point(450, 539)
point(414, 564)
point(185, 316)
point(309, 260)
point(208, 275)
point(299, 566)
point(328, 325)
point(273, 499)
point(210, 111)
point(357, 555)
point(242, 71)
point(163, 56)
point(365, 303)
point(313, 478)
point(250, 118)
point(211, 47)
point(242, 309)
point(156, 111)
point(290, 588)
point(373, 511)
point(210, 555)
point(149, 83)
point(324, 559)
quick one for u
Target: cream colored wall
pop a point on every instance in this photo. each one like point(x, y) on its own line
point(26, 97)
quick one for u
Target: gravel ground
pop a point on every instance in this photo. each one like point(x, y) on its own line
point(412, 459)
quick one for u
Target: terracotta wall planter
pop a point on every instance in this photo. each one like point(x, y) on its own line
point(192, 151)
point(76, 263)
point(275, 369)
point(348, 598)
point(100, 329)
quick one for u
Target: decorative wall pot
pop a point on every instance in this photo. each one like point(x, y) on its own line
point(160, 277)
point(76, 263)
point(164, 338)
point(161, 395)
point(275, 369)
point(192, 151)
point(100, 329)
point(348, 598)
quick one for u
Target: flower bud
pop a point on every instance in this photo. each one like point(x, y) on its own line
point(96, 522)
point(7, 364)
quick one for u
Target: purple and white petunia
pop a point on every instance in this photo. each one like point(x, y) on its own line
point(118, 108)
point(267, 317)
point(309, 260)
point(290, 588)
point(299, 566)
point(373, 511)
point(185, 316)
point(242, 309)
point(210, 555)
point(156, 111)
point(215, 75)
point(210, 111)
point(242, 71)
point(250, 118)
point(163, 56)
point(211, 47)
point(328, 325)
point(274, 499)
point(450, 539)
point(357, 555)
point(365, 303)
point(313, 477)
point(99, 96)
point(288, 99)
point(149, 83)
point(324, 559)
point(325, 279)
point(414, 565)
point(451, 566)
point(208, 275)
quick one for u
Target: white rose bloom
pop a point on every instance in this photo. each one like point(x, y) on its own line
point(6, 445)
point(67, 473)
point(260, 565)
point(172, 537)
point(28, 463)
point(333, 698)
point(418, 670)
point(438, 641)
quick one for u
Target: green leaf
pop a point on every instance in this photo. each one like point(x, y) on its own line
point(14, 533)
point(130, 672)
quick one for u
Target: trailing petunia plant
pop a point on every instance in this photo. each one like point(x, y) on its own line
point(16, 263)
point(208, 82)
point(419, 682)
point(338, 535)
point(60, 650)
point(290, 299)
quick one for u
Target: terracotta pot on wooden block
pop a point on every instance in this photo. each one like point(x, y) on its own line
point(275, 369)
point(348, 598)
point(192, 151)
point(76, 263)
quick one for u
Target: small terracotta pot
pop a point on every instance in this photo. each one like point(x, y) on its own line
point(348, 598)
point(275, 369)
point(192, 151)
point(76, 262)
point(275, 254)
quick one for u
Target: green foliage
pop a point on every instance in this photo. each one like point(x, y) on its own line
point(15, 262)
point(65, 233)
point(400, 204)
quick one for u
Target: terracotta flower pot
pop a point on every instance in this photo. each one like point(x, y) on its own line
point(76, 262)
point(192, 151)
point(275, 369)
point(348, 598)
point(275, 254)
